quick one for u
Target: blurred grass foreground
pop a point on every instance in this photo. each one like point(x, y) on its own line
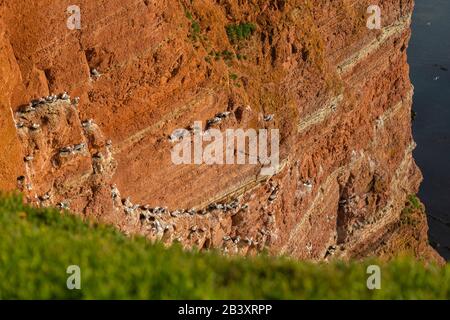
point(38, 245)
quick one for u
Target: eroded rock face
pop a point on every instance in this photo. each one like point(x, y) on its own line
point(338, 92)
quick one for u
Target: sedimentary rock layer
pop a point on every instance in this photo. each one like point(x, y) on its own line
point(339, 93)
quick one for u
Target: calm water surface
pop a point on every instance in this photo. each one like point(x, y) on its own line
point(429, 57)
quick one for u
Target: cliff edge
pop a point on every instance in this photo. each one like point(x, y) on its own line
point(338, 92)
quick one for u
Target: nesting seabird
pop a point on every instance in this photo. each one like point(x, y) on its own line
point(175, 213)
point(87, 123)
point(79, 147)
point(212, 206)
point(63, 205)
point(64, 96)
point(95, 73)
point(115, 192)
point(331, 251)
point(223, 115)
point(273, 195)
point(29, 108)
point(178, 134)
point(51, 98)
point(308, 184)
point(233, 204)
point(142, 217)
point(20, 125)
point(35, 102)
point(156, 210)
point(29, 158)
point(35, 126)
point(67, 149)
point(214, 121)
point(98, 156)
point(127, 203)
point(269, 117)
point(21, 182)
point(45, 197)
point(76, 101)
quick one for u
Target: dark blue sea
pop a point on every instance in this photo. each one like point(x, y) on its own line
point(429, 58)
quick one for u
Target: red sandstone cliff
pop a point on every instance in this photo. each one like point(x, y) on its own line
point(339, 92)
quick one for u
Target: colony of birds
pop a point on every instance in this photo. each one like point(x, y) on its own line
point(146, 214)
point(180, 134)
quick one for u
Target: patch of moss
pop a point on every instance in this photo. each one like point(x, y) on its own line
point(409, 214)
point(195, 29)
point(239, 32)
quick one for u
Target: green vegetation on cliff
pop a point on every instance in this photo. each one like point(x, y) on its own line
point(238, 32)
point(37, 246)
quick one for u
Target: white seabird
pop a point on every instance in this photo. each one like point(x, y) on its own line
point(64, 96)
point(79, 147)
point(223, 115)
point(178, 135)
point(115, 192)
point(45, 197)
point(20, 125)
point(87, 123)
point(67, 149)
point(95, 73)
point(214, 121)
point(308, 184)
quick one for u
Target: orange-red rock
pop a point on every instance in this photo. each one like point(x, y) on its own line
point(340, 94)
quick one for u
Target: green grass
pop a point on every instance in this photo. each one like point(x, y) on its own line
point(37, 246)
